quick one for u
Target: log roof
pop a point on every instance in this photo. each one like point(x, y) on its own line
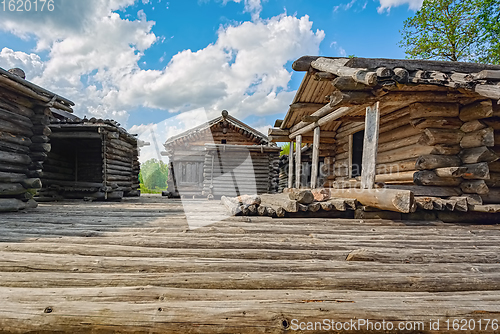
point(74, 124)
point(236, 124)
point(367, 80)
point(26, 88)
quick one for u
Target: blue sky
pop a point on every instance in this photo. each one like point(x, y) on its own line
point(166, 65)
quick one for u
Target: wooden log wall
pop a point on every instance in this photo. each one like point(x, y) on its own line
point(229, 173)
point(121, 164)
point(89, 159)
point(21, 152)
point(445, 145)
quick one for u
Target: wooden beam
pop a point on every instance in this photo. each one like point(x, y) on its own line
point(310, 119)
point(303, 105)
point(372, 125)
point(290, 166)
point(330, 117)
point(278, 132)
point(349, 159)
point(384, 199)
point(491, 91)
point(315, 158)
point(337, 67)
point(298, 161)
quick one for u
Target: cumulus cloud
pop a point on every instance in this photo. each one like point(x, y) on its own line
point(386, 5)
point(93, 60)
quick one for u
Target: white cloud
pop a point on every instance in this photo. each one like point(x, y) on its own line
point(94, 62)
point(338, 49)
point(386, 5)
point(30, 63)
point(253, 7)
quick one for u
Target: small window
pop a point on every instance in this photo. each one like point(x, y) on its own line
point(357, 153)
point(223, 141)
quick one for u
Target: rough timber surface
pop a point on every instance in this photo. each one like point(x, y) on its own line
point(136, 266)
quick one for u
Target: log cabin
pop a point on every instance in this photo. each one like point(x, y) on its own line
point(24, 112)
point(91, 159)
point(221, 157)
point(428, 127)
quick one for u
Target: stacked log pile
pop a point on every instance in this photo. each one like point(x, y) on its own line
point(94, 159)
point(230, 170)
point(382, 203)
point(24, 117)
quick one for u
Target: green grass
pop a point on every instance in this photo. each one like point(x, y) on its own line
point(145, 190)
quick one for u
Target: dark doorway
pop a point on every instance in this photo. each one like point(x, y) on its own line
point(357, 153)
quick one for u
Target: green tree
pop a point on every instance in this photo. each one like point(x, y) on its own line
point(455, 30)
point(153, 175)
point(157, 179)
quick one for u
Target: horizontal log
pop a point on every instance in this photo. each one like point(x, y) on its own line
point(15, 129)
point(8, 189)
point(490, 91)
point(15, 118)
point(473, 125)
point(15, 139)
point(395, 177)
point(477, 171)
point(483, 137)
point(384, 199)
point(492, 197)
point(8, 102)
point(434, 136)
point(6, 177)
point(388, 146)
point(399, 133)
point(474, 187)
point(433, 161)
point(414, 151)
point(14, 148)
point(437, 122)
point(494, 166)
point(450, 171)
point(397, 167)
point(424, 110)
point(429, 178)
point(493, 181)
point(476, 110)
point(477, 154)
point(428, 190)
point(40, 139)
point(14, 158)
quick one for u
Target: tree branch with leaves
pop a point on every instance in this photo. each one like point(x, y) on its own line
point(454, 30)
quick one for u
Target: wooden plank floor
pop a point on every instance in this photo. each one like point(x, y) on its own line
point(137, 266)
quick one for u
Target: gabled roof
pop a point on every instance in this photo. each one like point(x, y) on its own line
point(237, 124)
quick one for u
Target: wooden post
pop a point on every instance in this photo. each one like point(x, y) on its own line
point(315, 157)
point(298, 161)
point(372, 124)
point(290, 166)
point(351, 144)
